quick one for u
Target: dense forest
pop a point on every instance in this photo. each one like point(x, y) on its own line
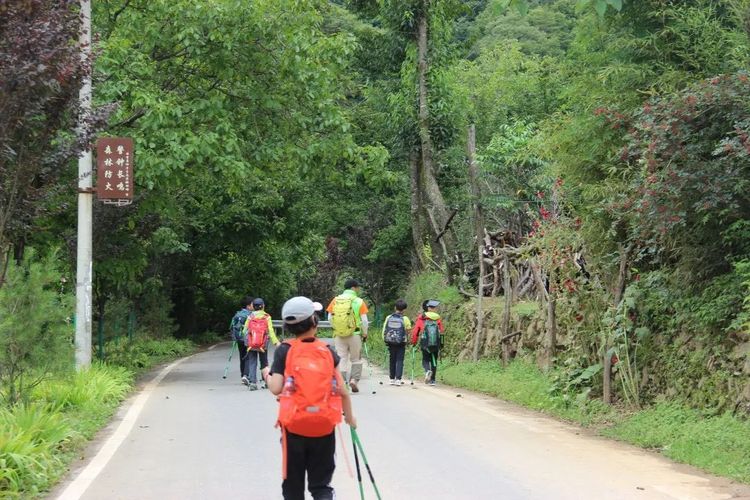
point(582, 166)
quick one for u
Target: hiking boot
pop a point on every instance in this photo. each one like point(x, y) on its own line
point(427, 376)
point(432, 382)
point(392, 382)
point(245, 381)
point(400, 382)
point(353, 386)
point(253, 386)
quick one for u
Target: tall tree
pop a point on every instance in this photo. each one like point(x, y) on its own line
point(40, 75)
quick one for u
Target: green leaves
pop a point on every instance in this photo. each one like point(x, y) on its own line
point(600, 6)
point(522, 6)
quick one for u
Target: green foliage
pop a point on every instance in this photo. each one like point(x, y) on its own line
point(37, 439)
point(685, 155)
point(29, 437)
point(142, 353)
point(600, 6)
point(430, 285)
point(523, 383)
point(100, 384)
point(35, 321)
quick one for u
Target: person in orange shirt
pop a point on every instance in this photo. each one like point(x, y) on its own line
point(348, 316)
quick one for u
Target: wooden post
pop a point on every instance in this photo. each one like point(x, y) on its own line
point(551, 342)
point(476, 194)
point(618, 292)
point(508, 291)
point(548, 299)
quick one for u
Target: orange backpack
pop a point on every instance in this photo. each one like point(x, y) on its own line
point(257, 333)
point(310, 403)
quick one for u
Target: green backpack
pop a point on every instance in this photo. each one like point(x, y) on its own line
point(343, 321)
point(430, 338)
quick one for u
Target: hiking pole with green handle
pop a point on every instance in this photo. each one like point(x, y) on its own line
point(369, 365)
point(356, 461)
point(355, 437)
point(412, 364)
point(229, 360)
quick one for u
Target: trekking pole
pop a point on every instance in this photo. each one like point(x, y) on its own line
point(356, 461)
point(369, 365)
point(367, 464)
point(231, 351)
point(346, 455)
point(412, 365)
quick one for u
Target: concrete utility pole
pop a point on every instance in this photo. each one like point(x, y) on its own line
point(84, 261)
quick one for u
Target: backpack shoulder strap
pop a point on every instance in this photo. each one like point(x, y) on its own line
point(289, 355)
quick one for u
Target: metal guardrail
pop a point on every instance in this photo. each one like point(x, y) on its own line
point(277, 323)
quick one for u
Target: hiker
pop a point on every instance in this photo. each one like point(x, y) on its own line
point(258, 329)
point(312, 396)
point(236, 328)
point(428, 330)
point(395, 327)
point(348, 316)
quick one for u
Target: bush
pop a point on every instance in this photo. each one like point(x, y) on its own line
point(30, 435)
point(100, 384)
point(35, 330)
point(36, 438)
point(142, 354)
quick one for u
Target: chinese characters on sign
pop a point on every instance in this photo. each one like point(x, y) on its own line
point(114, 168)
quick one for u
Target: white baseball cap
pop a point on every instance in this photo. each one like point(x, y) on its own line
point(298, 309)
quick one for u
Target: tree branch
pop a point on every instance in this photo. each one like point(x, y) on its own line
point(131, 119)
point(447, 225)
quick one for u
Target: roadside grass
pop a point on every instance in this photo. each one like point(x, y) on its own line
point(38, 439)
point(523, 383)
point(143, 354)
point(717, 444)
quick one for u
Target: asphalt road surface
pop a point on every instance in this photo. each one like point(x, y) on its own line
point(189, 434)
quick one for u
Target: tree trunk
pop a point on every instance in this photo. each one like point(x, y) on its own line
point(476, 194)
point(416, 211)
point(436, 207)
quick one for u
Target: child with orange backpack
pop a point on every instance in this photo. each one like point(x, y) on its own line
point(312, 395)
point(258, 329)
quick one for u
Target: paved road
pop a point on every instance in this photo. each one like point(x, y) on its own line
point(201, 437)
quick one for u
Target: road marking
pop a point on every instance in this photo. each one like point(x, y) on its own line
point(78, 487)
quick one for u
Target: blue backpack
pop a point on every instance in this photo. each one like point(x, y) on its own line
point(238, 324)
point(395, 330)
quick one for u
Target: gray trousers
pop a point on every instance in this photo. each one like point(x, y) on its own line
point(349, 350)
point(251, 363)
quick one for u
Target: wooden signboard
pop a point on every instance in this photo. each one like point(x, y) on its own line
point(114, 168)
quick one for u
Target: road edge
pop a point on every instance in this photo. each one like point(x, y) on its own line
point(108, 439)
